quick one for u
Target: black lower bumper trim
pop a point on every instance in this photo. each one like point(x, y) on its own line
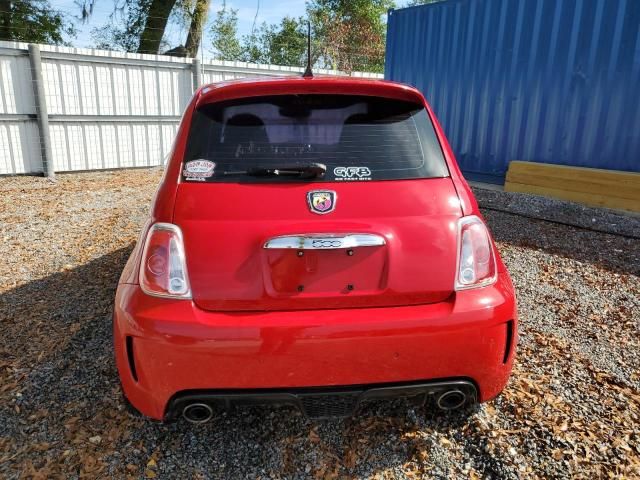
point(320, 402)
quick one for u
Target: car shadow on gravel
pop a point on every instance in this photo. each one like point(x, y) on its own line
point(62, 414)
point(58, 374)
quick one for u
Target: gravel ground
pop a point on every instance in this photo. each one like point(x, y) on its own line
point(571, 409)
point(575, 214)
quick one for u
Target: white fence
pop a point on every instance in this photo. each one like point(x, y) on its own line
point(105, 109)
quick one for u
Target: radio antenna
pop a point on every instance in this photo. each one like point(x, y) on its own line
point(308, 73)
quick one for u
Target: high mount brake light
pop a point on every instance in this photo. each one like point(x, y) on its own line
point(476, 265)
point(163, 271)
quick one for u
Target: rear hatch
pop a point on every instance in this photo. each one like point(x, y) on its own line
point(316, 201)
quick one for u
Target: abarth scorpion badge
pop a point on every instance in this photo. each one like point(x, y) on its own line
point(321, 201)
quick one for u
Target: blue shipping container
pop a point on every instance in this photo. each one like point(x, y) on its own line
point(555, 81)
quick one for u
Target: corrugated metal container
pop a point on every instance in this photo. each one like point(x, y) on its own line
point(555, 81)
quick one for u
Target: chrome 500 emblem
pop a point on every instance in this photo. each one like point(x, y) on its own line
point(321, 201)
point(326, 243)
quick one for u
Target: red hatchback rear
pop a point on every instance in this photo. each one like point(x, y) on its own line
point(312, 243)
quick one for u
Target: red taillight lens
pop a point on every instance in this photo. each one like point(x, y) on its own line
point(476, 260)
point(163, 271)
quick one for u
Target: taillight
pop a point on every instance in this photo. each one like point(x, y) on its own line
point(476, 260)
point(163, 271)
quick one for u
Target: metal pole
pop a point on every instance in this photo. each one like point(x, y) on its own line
point(41, 110)
point(197, 74)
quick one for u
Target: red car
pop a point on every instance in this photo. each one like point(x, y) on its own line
point(312, 243)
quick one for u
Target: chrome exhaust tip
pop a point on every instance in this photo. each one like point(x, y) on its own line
point(197, 413)
point(451, 400)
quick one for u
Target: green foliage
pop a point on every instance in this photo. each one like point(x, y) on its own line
point(413, 3)
point(138, 25)
point(347, 34)
point(125, 28)
point(253, 50)
point(281, 44)
point(224, 33)
point(350, 34)
point(285, 44)
point(33, 21)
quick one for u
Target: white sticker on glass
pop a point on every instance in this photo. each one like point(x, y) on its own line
point(198, 169)
point(352, 173)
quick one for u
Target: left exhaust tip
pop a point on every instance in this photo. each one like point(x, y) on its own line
point(197, 413)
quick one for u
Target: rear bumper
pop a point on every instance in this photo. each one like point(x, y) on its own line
point(174, 348)
point(325, 402)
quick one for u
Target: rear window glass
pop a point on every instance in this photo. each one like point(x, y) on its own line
point(357, 138)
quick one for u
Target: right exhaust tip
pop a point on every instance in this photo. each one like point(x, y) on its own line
point(197, 413)
point(451, 400)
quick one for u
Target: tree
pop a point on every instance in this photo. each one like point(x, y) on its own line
point(413, 3)
point(136, 27)
point(350, 34)
point(253, 49)
point(124, 30)
point(224, 33)
point(157, 17)
point(198, 17)
point(33, 21)
point(285, 44)
point(282, 44)
point(145, 22)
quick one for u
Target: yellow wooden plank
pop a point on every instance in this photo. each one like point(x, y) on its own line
point(627, 179)
point(580, 197)
point(629, 182)
point(564, 171)
point(604, 187)
point(569, 171)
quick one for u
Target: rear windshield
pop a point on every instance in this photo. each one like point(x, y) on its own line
point(335, 137)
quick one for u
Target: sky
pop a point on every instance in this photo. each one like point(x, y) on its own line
point(270, 11)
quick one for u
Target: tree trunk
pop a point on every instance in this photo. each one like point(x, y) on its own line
point(155, 25)
point(195, 30)
point(5, 20)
